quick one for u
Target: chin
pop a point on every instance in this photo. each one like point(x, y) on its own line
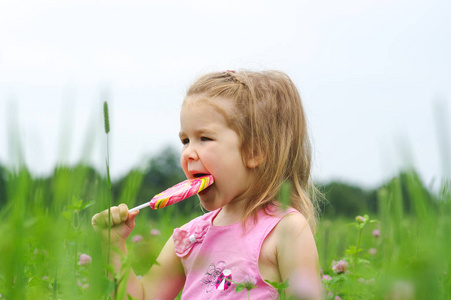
point(208, 204)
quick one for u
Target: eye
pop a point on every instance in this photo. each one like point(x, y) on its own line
point(185, 141)
point(204, 139)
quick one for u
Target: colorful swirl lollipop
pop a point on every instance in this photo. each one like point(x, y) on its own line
point(178, 192)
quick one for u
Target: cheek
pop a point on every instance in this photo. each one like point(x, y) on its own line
point(184, 165)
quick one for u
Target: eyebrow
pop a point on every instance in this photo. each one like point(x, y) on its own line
point(202, 131)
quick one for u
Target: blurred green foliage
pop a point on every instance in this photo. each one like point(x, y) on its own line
point(346, 200)
point(46, 228)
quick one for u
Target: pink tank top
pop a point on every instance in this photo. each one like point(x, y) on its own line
point(215, 257)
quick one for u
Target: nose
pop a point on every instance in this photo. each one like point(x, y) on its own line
point(189, 153)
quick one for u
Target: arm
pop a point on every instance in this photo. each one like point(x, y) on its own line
point(297, 257)
point(166, 277)
point(164, 280)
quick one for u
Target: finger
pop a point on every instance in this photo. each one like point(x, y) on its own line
point(115, 216)
point(95, 220)
point(100, 219)
point(123, 212)
point(131, 219)
point(106, 218)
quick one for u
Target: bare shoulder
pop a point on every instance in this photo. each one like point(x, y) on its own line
point(293, 224)
point(293, 218)
point(294, 236)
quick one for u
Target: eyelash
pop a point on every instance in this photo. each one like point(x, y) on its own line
point(202, 138)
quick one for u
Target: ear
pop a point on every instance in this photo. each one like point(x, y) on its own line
point(255, 160)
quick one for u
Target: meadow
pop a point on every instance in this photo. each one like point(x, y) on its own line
point(48, 249)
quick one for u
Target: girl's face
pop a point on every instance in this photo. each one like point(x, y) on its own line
point(211, 147)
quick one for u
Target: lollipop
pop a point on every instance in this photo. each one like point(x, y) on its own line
point(178, 192)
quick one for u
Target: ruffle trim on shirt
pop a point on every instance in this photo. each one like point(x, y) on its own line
point(184, 240)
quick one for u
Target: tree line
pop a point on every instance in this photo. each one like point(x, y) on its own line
point(163, 170)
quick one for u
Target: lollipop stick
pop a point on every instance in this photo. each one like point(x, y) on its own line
point(139, 207)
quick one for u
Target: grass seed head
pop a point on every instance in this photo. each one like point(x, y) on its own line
point(106, 117)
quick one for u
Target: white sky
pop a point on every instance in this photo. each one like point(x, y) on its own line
point(369, 73)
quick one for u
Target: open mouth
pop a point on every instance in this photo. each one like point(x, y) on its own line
point(207, 182)
point(200, 175)
point(205, 190)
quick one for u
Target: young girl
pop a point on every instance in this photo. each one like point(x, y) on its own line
point(248, 130)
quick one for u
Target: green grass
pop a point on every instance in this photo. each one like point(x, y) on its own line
point(46, 227)
point(411, 258)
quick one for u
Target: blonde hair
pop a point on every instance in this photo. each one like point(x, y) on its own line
point(269, 118)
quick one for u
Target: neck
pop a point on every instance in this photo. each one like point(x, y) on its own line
point(229, 214)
